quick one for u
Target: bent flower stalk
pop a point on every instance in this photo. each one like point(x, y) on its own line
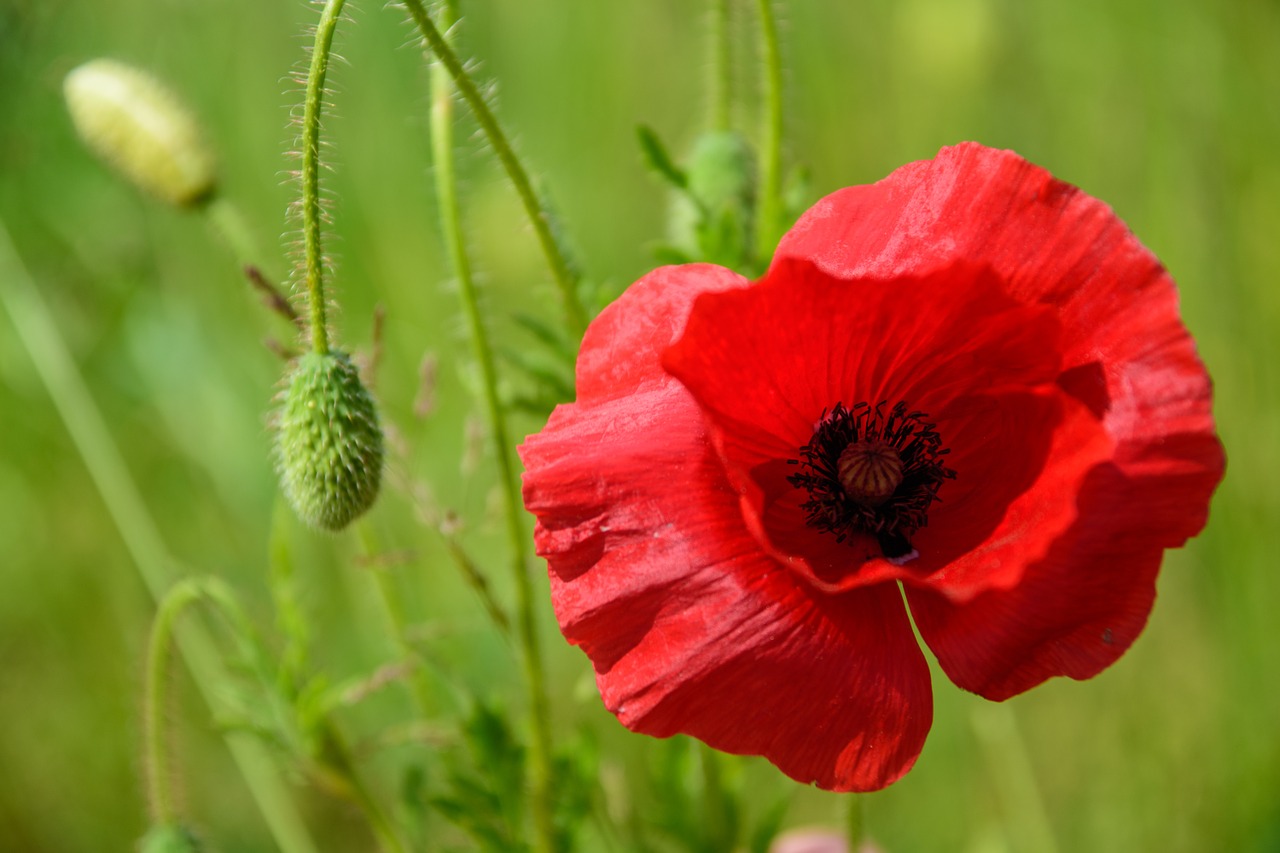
point(969, 379)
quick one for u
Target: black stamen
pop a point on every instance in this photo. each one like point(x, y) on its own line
point(893, 521)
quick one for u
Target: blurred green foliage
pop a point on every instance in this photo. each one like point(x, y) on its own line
point(1168, 109)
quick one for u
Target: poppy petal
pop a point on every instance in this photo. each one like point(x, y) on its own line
point(1125, 350)
point(1071, 598)
point(1073, 613)
point(691, 627)
point(765, 363)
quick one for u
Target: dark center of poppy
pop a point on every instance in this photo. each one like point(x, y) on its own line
point(872, 472)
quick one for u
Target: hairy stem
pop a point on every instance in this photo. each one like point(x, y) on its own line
point(769, 212)
point(313, 106)
point(531, 656)
point(720, 53)
point(536, 208)
point(156, 758)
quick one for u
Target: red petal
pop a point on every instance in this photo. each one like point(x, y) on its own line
point(690, 626)
point(1074, 612)
point(765, 363)
point(1073, 607)
point(1124, 345)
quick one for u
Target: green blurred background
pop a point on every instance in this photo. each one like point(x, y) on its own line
point(1167, 109)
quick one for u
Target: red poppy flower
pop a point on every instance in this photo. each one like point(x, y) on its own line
point(969, 379)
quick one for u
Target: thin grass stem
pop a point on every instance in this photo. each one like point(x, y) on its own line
point(720, 66)
point(769, 210)
point(39, 334)
point(450, 217)
point(397, 624)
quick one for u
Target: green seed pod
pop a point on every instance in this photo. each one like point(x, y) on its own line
point(713, 219)
point(329, 445)
point(169, 838)
point(141, 128)
point(722, 171)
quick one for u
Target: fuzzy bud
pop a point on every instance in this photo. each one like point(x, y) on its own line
point(713, 219)
point(722, 170)
point(329, 444)
point(141, 129)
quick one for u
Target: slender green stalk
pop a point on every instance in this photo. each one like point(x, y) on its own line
point(311, 110)
point(720, 50)
point(290, 616)
point(536, 209)
point(476, 579)
point(35, 327)
point(1017, 789)
point(531, 656)
point(337, 759)
point(397, 624)
point(156, 759)
point(769, 209)
point(229, 222)
point(857, 823)
point(717, 810)
point(182, 594)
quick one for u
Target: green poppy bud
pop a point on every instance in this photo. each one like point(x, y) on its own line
point(722, 171)
point(329, 444)
point(141, 129)
point(714, 216)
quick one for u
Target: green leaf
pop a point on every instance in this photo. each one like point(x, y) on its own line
point(656, 156)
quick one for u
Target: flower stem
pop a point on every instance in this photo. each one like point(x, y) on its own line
point(40, 336)
point(393, 608)
point(717, 810)
point(311, 110)
point(450, 217)
point(225, 218)
point(1017, 790)
point(156, 758)
point(856, 827)
point(769, 211)
point(336, 757)
point(182, 594)
point(539, 213)
point(720, 48)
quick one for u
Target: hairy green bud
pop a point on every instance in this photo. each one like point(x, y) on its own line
point(329, 444)
point(142, 129)
point(722, 170)
point(713, 219)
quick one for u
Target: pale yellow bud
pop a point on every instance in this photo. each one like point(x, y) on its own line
point(142, 129)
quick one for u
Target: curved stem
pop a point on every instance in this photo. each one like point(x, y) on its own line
point(156, 755)
point(312, 107)
point(769, 211)
point(531, 657)
point(39, 334)
point(536, 209)
point(182, 594)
